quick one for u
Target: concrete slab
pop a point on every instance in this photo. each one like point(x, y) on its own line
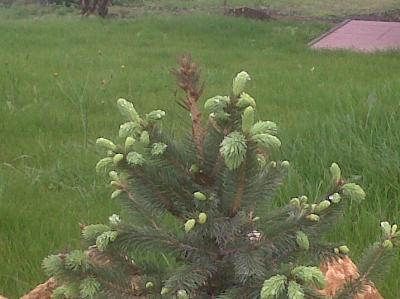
point(362, 36)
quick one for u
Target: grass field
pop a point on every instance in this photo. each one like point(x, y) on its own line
point(60, 77)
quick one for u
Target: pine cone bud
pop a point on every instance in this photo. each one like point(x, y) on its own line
point(239, 83)
point(302, 240)
point(202, 218)
point(182, 294)
point(387, 244)
point(129, 142)
point(189, 225)
point(313, 217)
point(199, 196)
point(344, 249)
point(323, 205)
point(149, 285)
point(118, 158)
point(335, 172)
point(247, 119)
point(105, 144)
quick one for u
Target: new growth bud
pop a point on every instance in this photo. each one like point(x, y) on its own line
point(239, 83)
point(129, 142)
point(247, 119)
point(285, 164)
point(189, 225)
point(323, 205)
point(344, 249)
point(118, 158)
point(202, 218)
point(335, 172)
point(199, 196)
point(387, 244)
point(313, 217)
point(182, 294)
point(302, 240)
point(106, 144)
point(149, 285)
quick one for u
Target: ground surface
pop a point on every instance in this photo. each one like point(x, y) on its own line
point(60, 77)
point(363, 36)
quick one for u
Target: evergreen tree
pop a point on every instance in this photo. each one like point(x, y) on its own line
point(199, 214)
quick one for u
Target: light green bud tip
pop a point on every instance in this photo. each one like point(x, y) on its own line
point(182, 294)
point(145, 138)
point(354, 192)
point(335, 197)
point(255, 219)
point(199, 196)
point(302, 240)
point(118, 158)
point(313, 217)
point(285, 164)
point(113, 175)
point(247, 119)
point(295, 202)
point(155, 115)
point(103, 164)
point(165, 291)
point(129, 142)
point(245, 100)
point(387, 244)
point(116, 193)
point(194, 168)
point(386, 229)
point(323, 205)
point(149, 285)
point(202, 218)
point(394, 229)
point(336, 250)
point(239, 83)
point(303, 199)
point(106, 144)
point(189, 225)
point(344, 249)
point(114, 219)
point(135, 159)
point(335, 172)
point(127, 110)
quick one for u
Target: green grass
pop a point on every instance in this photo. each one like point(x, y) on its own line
point(331, 106)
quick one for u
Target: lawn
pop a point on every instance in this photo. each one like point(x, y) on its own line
point(60, 78)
